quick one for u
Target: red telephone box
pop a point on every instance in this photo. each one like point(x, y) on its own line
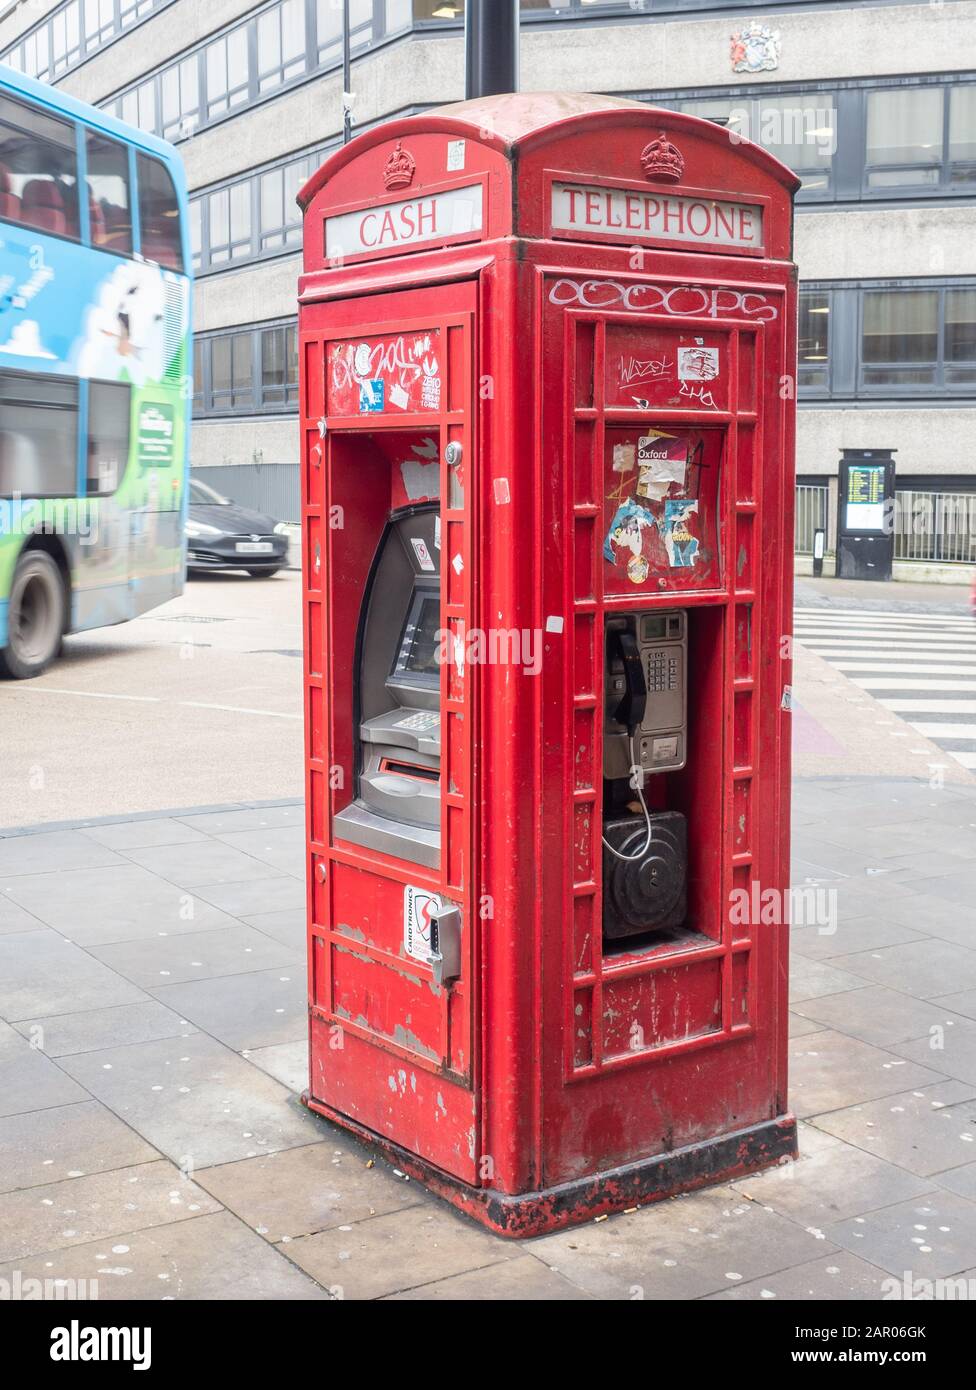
point(548, 367)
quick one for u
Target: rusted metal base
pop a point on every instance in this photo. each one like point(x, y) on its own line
point(635, 1184)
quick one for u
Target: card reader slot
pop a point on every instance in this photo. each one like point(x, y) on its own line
point(415, 770)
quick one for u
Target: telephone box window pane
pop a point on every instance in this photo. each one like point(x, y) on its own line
point(108, 436)
point(159, 215)
point(901, 329)
point(38, 436)
point(904, 128)
point(814, 338)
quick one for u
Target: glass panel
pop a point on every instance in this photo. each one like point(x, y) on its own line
point(814, 337)
point(196, 232)
point(803, 136)
point(962, 134)
point(960, 325)
point(159, 214)
point(39, 163)
point(109, 208)
point(900, 326)
point(905, 127)
point(38, 436)
point(108, 436)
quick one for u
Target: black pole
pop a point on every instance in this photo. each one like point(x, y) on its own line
point(346, 77)
point(491, 47)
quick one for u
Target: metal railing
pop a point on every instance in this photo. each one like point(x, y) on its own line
point(938, 527)
point(811, 513)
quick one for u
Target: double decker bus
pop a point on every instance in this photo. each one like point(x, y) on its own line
point(94, 371)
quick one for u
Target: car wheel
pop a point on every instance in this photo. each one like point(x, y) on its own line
point(35, 616)
point(262, 574)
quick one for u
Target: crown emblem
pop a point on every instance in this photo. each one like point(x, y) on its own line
point(662, 161)
point(399, 168)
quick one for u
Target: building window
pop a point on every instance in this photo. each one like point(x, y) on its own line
point(281, 217)
point(247, 371)
point(960, 337)
point(279, 365)
point(900, 337)
point(281, 44)
point(230, 223)
point(904, 137)
point(39, 178)
point(109, 407)
point(231, 372)
point(814, 340)
point(38, 436)
point(179, 99)
point(227, 73)
point(109, 212)
point(800, 130)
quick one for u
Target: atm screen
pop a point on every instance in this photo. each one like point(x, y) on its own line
point(419, 644)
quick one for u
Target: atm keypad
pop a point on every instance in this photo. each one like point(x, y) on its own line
point(424, 720)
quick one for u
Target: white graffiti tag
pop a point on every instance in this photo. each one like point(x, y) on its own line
point(679, 300)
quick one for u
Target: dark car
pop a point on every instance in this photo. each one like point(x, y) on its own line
point(220, 535)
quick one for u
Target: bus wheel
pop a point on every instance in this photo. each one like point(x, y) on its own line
point(35, 617)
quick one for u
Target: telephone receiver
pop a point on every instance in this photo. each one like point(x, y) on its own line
point(633, 703)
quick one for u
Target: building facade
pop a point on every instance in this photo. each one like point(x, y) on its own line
point(873, 103)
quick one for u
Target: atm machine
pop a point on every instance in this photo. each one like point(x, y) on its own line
point(397, 696)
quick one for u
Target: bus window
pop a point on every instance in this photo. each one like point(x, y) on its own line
point(108, 436)
point(109, 210)
point(38, 436)
point(38, 170)
point(159, 214)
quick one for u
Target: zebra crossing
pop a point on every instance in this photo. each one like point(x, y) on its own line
point(921, 666)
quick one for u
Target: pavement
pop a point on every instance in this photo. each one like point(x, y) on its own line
point(152, 1049)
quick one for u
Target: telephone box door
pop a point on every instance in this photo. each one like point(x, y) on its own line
point(390, 570)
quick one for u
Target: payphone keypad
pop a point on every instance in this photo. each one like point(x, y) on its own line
point(661, 735)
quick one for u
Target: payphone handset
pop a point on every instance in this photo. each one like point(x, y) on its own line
point(645, 694)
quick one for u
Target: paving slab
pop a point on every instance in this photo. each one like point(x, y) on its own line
point(852, 934)
point(825, 1187)
point(287, 927)
point(951, 1048)
point(523, 1280)
point(811, 979)
point(41, 973)
point(283, 848)
point(929, 1238)
point(67, 1141)
point(195, 1100)
point(202, 862)
point(920, 1130)
point(60, 1035)
point(401, 1250)
point(286, 1062)
point(142, 834)
point(29, 1080)
point(962, 1180)
point(925, 969)
point(319, 1187)
point(14, 918)
point(840, 1276)
point(679, 1249)
point(799, 1027)
point(246, 1011)
point(962, 1003)
point(96, 1207)
point(52, 850)
point(281, 893)
point(196, 956)
point(883, 1016)
point(829, 1071)
point(124, 902)
point(212, 1257)
point(251, 818)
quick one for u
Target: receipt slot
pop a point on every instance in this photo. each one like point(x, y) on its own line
point(547, 348)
